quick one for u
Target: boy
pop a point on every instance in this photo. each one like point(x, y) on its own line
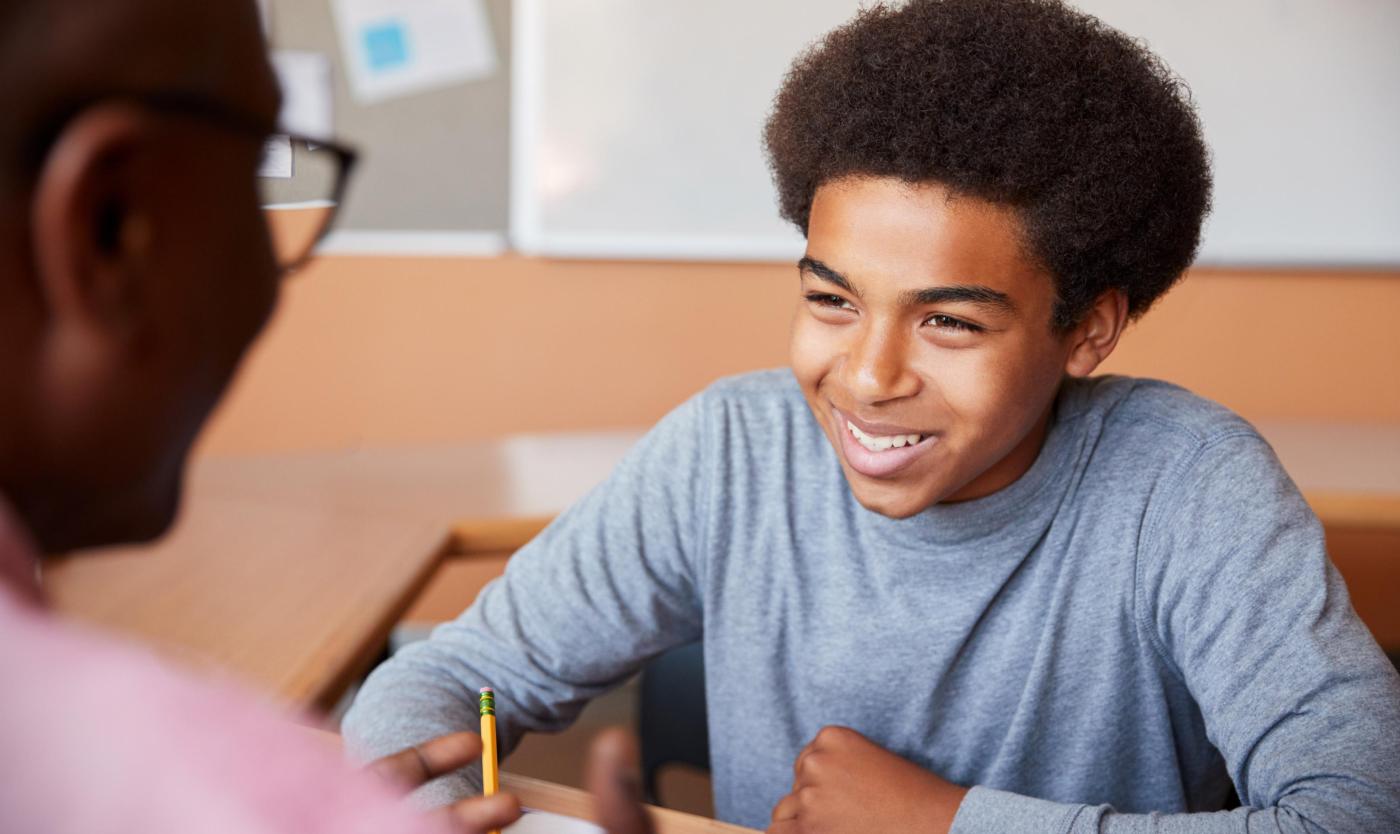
point(945, 580)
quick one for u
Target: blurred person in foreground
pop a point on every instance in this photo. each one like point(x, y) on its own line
point(136, 267)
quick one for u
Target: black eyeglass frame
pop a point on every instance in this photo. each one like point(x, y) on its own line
point(208, 109)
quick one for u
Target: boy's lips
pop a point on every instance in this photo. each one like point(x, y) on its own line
point(886, 459)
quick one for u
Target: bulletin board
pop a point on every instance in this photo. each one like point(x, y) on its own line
point(433, 176)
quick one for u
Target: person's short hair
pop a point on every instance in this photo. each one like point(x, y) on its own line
point(1026, 103)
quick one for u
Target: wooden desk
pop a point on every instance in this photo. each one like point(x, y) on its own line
point(547, 796)
point(1350, 475)
point(288, 572)
point(294, 598)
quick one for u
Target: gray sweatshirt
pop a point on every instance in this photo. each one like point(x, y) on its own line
point(1145, 617)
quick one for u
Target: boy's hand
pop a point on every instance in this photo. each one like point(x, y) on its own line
point(847, 783)
point(617, 789)
point(431, 759)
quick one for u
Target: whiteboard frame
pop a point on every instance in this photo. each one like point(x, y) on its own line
point(524, 229)
point(468, 244)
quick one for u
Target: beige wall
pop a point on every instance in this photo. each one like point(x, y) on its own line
point(392, 351)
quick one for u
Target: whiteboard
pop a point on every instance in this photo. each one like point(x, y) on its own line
point(636, 124)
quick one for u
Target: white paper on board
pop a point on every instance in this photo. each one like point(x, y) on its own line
point(277, 158)
point(541, 822)
point(400, 47)
point(307, 97)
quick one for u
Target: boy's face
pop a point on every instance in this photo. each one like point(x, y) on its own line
point(920, 314)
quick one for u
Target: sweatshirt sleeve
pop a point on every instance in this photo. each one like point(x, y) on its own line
point(611, 583)
point(1238, 597)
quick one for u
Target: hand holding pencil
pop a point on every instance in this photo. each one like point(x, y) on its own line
point(431, 759)
point(611, 774)
point(612, 777)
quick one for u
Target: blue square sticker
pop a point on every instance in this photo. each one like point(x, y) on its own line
point(386, 45)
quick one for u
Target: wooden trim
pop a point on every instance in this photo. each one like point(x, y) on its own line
point(1341, 509)
point(1356, 509)
point(333, 687)
point(490, 535)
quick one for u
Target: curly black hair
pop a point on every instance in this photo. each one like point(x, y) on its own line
point(1028, 103)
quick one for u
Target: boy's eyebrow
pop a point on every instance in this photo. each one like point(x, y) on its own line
point(826, 273)
point(994, 300)
point(958, 293)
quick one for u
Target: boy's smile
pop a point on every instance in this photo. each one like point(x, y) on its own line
point(879, 450)
point(923, 342)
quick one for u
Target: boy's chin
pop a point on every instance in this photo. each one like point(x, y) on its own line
point(892, 500)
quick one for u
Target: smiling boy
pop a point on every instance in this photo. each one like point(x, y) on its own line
point(945, 579)
point(928, 357)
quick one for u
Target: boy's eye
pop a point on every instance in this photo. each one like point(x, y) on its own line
point(949, 323)
point(829, 300)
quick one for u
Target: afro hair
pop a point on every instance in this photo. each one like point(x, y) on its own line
point(1027, 103)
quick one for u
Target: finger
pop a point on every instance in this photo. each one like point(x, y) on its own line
point(785, 827)
point(799, 773)
point(418, 764)
point(787, 808)
point(479, 814)
point(612, 779)
point(797, 762)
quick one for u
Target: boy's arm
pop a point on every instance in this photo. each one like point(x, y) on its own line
point(612, 582)
point(1237, 595)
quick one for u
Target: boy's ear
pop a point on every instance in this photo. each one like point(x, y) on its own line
point(1094, 338)
point(91, 222)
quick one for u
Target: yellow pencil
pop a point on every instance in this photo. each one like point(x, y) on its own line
point(490, 776)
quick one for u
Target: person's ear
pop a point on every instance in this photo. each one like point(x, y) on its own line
point(1095, 337)
point(92, 226)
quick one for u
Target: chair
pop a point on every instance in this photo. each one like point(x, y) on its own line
point(672, 719)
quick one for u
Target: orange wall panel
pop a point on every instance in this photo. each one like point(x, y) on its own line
point(394, 351)
point(1299, 345)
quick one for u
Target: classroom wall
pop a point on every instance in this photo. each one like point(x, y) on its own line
point(394, 351)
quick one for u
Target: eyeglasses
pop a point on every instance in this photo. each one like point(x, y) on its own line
point(301, 184)
point(299, 204)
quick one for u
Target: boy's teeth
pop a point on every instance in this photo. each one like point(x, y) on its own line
point(880, 444)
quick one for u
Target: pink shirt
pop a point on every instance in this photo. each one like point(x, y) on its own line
point(98, 736)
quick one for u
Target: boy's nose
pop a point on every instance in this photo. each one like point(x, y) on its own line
point(877, 368)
